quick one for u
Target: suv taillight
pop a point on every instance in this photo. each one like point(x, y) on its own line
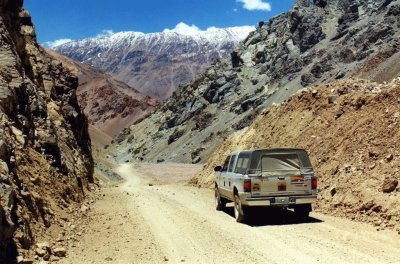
point(247, 185)
point(314, 183)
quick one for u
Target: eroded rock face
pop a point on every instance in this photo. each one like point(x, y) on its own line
point(45, 153)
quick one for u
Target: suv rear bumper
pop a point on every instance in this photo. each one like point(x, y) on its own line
point(277, 201)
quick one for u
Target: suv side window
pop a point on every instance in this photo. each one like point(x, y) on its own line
point(239, 165)
point(242, 163)
point(225, 167)
point(230, 168)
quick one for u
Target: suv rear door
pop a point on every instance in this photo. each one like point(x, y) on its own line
point(222, 178)
point(280, 174)
point(241, 167)
point(230, 175)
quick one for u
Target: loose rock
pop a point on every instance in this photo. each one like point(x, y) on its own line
point(60, 252)
point(389, 185)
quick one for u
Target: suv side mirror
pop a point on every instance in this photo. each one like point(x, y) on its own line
point(218, 169)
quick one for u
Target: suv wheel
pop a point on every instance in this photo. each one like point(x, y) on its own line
point(303, 211)
point(220, 202)
point(238, 209)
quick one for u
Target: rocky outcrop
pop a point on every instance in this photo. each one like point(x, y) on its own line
point(109, 104)
point(45, 153)
point(316, 42)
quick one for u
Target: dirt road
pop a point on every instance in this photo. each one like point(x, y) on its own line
point(151, 219)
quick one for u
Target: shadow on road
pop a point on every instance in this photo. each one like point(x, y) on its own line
point(264, 216)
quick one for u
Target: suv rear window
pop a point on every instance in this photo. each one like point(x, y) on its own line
point(279, 162)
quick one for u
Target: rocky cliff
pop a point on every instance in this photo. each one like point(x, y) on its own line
point(45, 153)
point(109, 104)
point(156, 63)
point(316, 42)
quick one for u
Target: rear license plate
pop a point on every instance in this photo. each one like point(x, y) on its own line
point(282, 200)
point(256, 187)
point(281, 186)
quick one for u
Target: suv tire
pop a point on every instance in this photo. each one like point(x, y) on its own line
point(303, 210)
point(239, 210)
point(220, 202)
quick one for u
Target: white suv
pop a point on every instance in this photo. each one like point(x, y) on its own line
point(266, 177)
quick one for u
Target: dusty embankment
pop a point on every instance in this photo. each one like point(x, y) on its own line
point(351, 130)
point(155, 217)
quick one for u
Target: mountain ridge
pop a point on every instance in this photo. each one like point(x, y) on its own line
point(109, 39)
point(155, 63)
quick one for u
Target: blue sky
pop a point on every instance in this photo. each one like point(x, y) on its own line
point(77, 19)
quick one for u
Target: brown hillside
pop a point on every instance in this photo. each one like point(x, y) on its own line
point(351, 130)
point(110, 104)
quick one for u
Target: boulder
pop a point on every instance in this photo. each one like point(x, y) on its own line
point(43, 245)
point(196, 160)
point(175, 135)
point(41, 252)
point(332, 99)
point(4, 150)
point(19, 136)
point(60, 252)
point(21, 260)
point(220, 82)
point(84, 208)
point(389, 185)
point(389, 157)
point(332, 191)
point(307, 79)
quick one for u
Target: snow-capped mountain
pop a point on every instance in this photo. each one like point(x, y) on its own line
point(156, 63)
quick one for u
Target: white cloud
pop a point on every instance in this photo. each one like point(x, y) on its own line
point(255, 5)
point(184, 29)
point(105, 32)
point(55, 43)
